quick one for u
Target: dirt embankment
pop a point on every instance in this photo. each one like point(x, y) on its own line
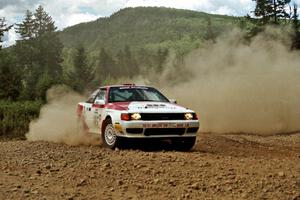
point(219, 167)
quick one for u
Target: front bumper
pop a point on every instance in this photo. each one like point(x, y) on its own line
point(157, 129)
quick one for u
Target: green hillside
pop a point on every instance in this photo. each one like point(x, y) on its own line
point(146, 27)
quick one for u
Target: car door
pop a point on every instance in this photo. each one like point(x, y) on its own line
point(88, 114)
point(98, 110)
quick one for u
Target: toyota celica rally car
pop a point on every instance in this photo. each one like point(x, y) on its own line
point(121, 112)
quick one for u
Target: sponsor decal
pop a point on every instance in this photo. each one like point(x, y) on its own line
point(97, 119)
point(155, 106)
point(135, 87)
point(166, 125)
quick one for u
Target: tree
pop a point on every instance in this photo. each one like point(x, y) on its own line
point(271, 11)
point(26, 51)
point(105, 66)
point(250, 26)
point(296, 30)
point(210, 35)
point(120, 60)
point(10, 77)
point(3, 28)
point(280, 10)
point(82, 75)
point(145, 60)
point(48, 44)
point(143, 57)
point(161, 57)
point(130, 65)
point(39, 52)
point(263, 9)
point(44, 83)
point(26, 28)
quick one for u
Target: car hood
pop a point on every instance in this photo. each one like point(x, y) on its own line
point(154, 107)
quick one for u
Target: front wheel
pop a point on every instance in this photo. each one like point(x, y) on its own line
point(109, 136)
point(183, 144)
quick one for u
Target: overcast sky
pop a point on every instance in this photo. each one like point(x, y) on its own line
point(70, 12)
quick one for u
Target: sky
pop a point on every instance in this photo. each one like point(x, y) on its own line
point(70, 12)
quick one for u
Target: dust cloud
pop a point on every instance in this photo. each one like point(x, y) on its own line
point(58, 120)
point(235, 86)
point(240, 87)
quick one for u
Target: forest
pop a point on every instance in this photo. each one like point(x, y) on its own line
point(129, 43)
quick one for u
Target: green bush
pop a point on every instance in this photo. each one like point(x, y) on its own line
point(16, 116)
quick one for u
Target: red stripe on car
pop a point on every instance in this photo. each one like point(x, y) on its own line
point(97, 106)
point(79, 110)
point(118, 105)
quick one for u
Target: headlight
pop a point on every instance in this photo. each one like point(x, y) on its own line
point(188, 116)
point(136, 116)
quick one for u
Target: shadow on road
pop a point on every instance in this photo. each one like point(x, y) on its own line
point(149, 145)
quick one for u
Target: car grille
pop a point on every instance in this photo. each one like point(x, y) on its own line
point(164, 131)
point(134, 130)
point(162, 116)
point(192, 130)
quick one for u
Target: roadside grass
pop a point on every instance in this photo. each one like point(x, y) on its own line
point(15, 118)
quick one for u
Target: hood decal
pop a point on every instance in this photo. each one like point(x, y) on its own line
point(145, 106)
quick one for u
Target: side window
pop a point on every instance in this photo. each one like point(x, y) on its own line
point(101, 95)
point(92, 97)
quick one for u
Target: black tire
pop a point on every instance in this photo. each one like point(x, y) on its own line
point(183, 144)
point(108, 136)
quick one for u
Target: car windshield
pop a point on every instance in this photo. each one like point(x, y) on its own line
point(125, 94)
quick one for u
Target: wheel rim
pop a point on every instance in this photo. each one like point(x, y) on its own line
point(110, 135)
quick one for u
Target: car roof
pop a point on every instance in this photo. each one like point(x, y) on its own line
point(123, 85)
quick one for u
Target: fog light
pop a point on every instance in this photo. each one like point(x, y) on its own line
point(118, 127)
point(188, 116)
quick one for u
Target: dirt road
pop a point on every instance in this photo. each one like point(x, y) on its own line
point(219, 167)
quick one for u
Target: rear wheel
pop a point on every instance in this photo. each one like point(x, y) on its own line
point(109, 136)
point(183, 144)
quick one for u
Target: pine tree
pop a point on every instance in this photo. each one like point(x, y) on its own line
point(144, 60)
point(161, 57)
point(82, 75)
point(280, 11)
point(263, 9)
point(271, 11)
point(43, 23)
point(105, 66)
point(10, 77)
point(3, 28)
point(26, 28)
point(120, 60)
point(48, 44)
point(39, 53)
point(210, 35)
point(130, 65)
point(25, 48)
point(296, 30)
point(26, 56)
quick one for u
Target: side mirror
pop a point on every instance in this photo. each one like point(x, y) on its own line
point(173, 101)
point(99, 102)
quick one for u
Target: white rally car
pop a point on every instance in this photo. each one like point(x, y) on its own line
point(126, 111)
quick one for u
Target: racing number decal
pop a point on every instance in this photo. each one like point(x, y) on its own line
point(97, 118)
